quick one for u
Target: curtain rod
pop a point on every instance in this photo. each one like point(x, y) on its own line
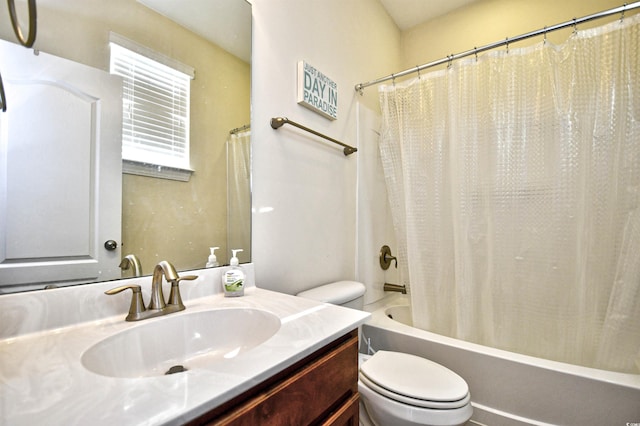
point(573, 23)
point(240, 129)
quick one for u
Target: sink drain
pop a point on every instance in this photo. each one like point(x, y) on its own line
point(176, 369)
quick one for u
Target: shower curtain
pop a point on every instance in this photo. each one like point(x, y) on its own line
point(514, 184)
point(239, 194)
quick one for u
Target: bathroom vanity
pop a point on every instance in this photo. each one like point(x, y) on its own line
point(68, 357)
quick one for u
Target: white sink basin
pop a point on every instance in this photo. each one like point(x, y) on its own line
point(191, 340)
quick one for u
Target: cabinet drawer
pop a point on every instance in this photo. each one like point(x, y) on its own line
point(312, 394)
point(347, 415)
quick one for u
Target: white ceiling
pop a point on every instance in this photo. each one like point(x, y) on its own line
point(227, 23)
point(409, 13)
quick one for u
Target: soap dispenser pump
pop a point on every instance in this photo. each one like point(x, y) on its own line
point(233, 277)
point(212, 262)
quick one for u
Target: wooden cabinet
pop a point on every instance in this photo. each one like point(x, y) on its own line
point(321, 389)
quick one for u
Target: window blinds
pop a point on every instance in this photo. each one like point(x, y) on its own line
point(155, 109)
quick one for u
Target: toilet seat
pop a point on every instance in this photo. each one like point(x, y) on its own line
point(414, 380)
point(422, 403)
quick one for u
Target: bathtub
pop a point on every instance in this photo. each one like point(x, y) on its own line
point(508, 388)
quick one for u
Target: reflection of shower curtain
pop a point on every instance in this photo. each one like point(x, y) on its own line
point(514, 182)
point(239, 194)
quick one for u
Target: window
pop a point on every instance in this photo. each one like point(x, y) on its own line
point(155, 125)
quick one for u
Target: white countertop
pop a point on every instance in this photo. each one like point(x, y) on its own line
point(42, 380)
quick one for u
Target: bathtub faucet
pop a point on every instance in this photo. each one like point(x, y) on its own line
point(395, 287)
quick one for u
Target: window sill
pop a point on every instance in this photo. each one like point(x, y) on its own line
point(156, 171)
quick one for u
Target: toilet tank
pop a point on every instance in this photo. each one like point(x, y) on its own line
point(349, 294)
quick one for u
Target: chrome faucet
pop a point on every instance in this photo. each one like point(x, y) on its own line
point(157, 306)
point(131, 261)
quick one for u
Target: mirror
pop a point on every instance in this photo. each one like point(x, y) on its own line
point(165, 219)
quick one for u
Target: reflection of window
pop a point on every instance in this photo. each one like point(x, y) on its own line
point(155, 127)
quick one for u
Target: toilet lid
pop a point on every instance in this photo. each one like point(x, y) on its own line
point(336, 293)
point(406, 377)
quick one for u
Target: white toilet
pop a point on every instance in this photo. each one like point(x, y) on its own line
point(399, 389)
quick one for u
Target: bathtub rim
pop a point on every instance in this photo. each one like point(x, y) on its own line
point(381, 320)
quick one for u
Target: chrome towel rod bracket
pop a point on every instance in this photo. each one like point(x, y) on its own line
point(277, 122)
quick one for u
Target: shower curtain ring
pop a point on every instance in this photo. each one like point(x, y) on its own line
point(418, 70)
point(544, 41)
point(449, 61)
point(475, 52)
point(507, 43)
point(624, 7)
point(575, 26)
point(393, 80)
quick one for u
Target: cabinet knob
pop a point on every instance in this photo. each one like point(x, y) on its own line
point(110, 245)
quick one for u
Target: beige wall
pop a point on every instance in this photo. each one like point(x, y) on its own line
point(162, 219)
point(487, 21)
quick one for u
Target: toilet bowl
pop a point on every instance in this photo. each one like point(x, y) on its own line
point(396, 388)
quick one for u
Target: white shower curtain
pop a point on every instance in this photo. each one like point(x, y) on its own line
point(239, 194)
point(514, 182)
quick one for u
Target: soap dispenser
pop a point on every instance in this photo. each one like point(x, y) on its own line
point(212, 262)
point(233, 277)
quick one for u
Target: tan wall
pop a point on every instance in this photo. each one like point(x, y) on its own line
point(488, 21)
point(162, 219)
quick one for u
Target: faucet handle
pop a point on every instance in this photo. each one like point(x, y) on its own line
point(137, 303)
point(386, 257)
point(174, 297)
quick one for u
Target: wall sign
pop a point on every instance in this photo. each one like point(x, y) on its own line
point(316, 91)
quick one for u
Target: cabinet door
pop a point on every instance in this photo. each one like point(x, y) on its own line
point(61, 172)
